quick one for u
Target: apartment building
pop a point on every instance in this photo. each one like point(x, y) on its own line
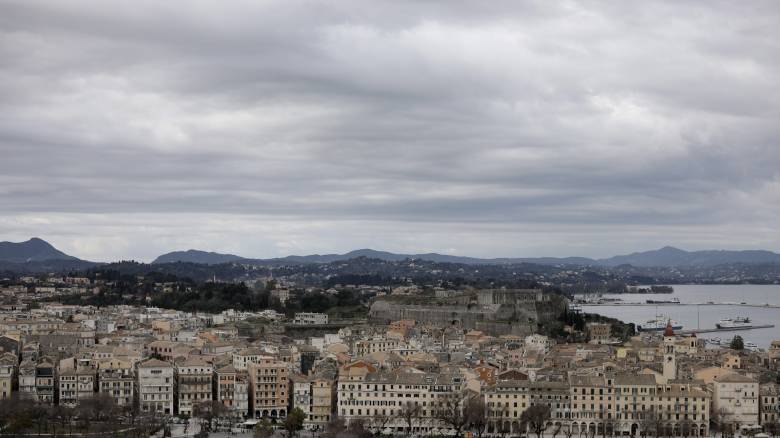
point(769, 403)
point(232, 388)
point(323, 401)
point(27, 380)
point(627, 404)
point(116, 378)
point(76, 385)
point(7, 374)
point(507, 400)
point(45, 382)
point(194, 376)
point(156, 386)
point(269, 387)
point(243, 358)
point(315, 396)
point(364, 347)
point(392, 397)
point(735, 400)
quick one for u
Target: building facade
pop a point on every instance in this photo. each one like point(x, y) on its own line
point(156, 387)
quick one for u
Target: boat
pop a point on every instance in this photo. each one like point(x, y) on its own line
point(751, 346)
point(740, 322)
point(659, 324)
point(672, 301)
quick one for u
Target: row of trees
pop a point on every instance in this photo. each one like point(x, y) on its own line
point(97, 414)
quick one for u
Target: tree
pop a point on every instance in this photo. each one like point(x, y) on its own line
point(357, 429)
point(536, 418)
point(294, 421)
point(263, 429)
point(409, 413)
point(556, 429)
point(476, 415)
point(452, 413)
point(568, 430)
point(208, 410)
point(737, 343)
point(379, 422)
point(336, 428)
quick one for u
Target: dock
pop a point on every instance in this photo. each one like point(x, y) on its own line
point(715, 330)
point(624, 303)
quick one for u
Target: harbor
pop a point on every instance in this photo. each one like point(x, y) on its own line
point(699, 309)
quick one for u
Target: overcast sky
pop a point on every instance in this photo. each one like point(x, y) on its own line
point(129, 129)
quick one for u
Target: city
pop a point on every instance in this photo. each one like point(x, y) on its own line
point(390, 219)
point(478, 361)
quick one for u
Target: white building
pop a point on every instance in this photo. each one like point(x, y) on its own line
point(155, 386)
point(385, 400)
point(735, 400)
point(538, 342)
point(310, 318)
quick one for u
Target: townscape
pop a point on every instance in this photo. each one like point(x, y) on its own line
point(489, 362)
point(389, 219)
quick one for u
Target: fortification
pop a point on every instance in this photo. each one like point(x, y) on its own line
point(494, 311)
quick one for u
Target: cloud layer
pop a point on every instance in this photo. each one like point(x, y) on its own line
point(269, 128)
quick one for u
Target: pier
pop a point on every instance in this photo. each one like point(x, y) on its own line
point(715, 330)
point(623, 303)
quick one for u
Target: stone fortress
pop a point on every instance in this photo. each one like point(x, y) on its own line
point(493, 311)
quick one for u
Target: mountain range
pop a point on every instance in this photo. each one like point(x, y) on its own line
point(38, 251)
point(666, 256)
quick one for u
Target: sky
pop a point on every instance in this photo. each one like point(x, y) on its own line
point(488, 129)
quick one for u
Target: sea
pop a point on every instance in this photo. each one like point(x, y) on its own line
point(694, 312)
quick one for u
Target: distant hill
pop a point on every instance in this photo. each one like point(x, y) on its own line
point(670, 256)
point(195, 256)
point(212, 258)
point(667, 256)
point(434, 257)
point(33, 250)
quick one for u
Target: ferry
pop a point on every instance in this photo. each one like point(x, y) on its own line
point(659, 324)
point(740, 322)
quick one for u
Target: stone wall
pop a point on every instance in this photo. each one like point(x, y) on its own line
point(496, 312)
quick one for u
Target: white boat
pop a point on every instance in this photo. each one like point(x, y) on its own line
point(740, 322)
point(659, 324)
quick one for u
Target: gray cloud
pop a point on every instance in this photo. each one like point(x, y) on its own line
point(544, 128)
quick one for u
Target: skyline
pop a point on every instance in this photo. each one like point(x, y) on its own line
point(503, 130)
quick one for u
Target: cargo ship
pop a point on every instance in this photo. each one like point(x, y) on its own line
point(672, 301)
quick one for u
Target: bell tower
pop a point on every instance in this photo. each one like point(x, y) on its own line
point(670, 362)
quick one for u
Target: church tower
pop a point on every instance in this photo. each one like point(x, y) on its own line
point(670, 362)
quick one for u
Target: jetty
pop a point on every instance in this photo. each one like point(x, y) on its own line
point(715, 330)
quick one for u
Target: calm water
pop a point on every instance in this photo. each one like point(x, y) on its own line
point(705, 316)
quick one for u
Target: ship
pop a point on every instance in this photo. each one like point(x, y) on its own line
point(659, 324)
point(672, 301)
point(740, 322)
